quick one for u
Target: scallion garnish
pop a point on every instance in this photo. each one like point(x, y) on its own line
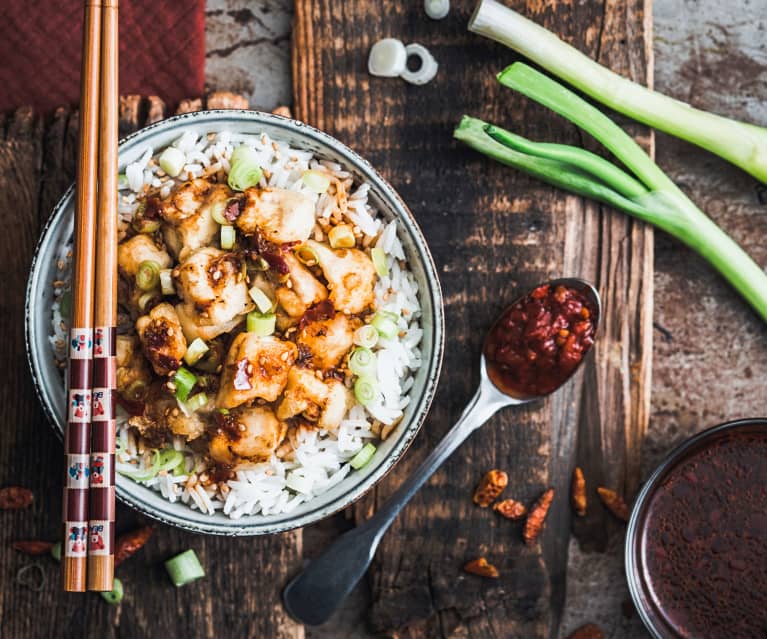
point(261, 324)
point(184, 380)
point(172, 161)
point(217, 213)
point(366, 335)
point(363, 362)
point(227, 237)
point(166, 282)
point(195, 351)
point(65, 303)
point(194, 403)
point(379, 261)
point(385, 323)
point(245, 171)
point(341, 236)
point(147, 473)
point(184, 568)
point(365, 390)
point(114, 596)
point(363, 456)
point(317, 181)
point(261, 299)
point(56, 551)
point(148, 275)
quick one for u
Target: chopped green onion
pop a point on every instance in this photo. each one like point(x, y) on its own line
point(217, 212)
point(366, 335)
point(363, 456)
point(145, 300)
point(184, 380)
point(122, 182)
point(342, 236)
point(56, 551)
point(172, 161)
point(385, 323)
point(184, 568)
point(148, 275)
point(307, 255)
point(147, 473)
point(379, 261)
point(114, 596)
point(227, 237)
point(317, 181)
point(245, 171)
point(166, 282)
point(261, 324)
point(195, 351)
point(194, 403)
point(261, 299)
point(170, 459)
point(65, 303)
point(363, 362)
point(365, 391)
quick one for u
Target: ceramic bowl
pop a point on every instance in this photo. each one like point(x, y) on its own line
point(48, 379)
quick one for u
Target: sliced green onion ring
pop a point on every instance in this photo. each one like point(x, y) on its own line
point(145, 299)
point(261, 324)
point(217, 212)
point(147, 473)
point(148, 275)
point(363, 456)
point(261, 299)
point(366, 336)
point(172, 161)
point(307, 255)
point(379, 261)
point(65, 303)
point(227, 237)
point(195, 351)
point(194, 403)
point(342, 236)
point(166, 282)
point(114, 596)
point(317, 181)
point(245, 171)
point(56, 550)
point(363, 362)
point(184, 568)
point(365, 391)
point(184, 380)
point(385, 324)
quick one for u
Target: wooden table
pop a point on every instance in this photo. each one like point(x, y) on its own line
point(701, 375)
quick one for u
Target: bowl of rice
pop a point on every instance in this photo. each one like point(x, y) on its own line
point(315, 471)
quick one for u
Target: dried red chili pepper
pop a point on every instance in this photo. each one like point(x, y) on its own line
point(33, 547)
point(578, 492)
point(490, 487)
point(128, 543)
point(614, 502)
point(587, 631)
point(481, 567)
point(537, 517)
point(15, 497)
point(511, 509)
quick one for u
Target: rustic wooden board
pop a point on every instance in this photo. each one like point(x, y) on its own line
point(492, 232)
point(244, 576)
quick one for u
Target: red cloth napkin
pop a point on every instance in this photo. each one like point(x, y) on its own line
point(162, 51)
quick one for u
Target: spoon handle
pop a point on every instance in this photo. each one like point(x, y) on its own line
point(313, 595)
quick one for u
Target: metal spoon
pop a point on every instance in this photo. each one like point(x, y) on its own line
point(313, 595)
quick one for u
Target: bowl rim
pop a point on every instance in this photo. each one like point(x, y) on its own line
point(434, 364)
point(634, 529)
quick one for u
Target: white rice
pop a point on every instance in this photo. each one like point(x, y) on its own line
point(319, 459)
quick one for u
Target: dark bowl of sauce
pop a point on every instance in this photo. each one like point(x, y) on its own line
point(696, 548)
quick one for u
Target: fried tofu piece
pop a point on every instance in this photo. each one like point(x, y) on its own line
point(140, 248)
point(279, 215)
point(250, 433)
point(322, 402)
point(256, 367)
point(304, 291)
point(327, 340)
point(162, 338)
point(350, 274)
point(161, 413)
point(133, 370)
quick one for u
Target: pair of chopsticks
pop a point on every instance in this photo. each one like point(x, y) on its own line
point(89, 444)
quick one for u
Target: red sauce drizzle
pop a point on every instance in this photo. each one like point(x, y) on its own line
point(539, 341)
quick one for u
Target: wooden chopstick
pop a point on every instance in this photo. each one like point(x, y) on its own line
point(77, 439)
point(102, 474)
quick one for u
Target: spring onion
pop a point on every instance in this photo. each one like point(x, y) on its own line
point(114, 596)
point(342, 236)
point(194, 403)
point(363, 456)
point(195, 351)
point(363, 362)
point(366, 336)
point(166, 282)
point(261, 324)
point(184, 568)
point(56, 551)
point(147, 300)
point(307, 255)
point(172, 161)
point(427, 68)
point(217, 212)
point(143, 224)
point(745, 145)
point(245, 171)
point(385, 323)
point(184, 381)
point(170, 459)
point(65, 303)
point(147, 473)
point(261, 299)
point(436, 9)
point(148, 275)
point(227, 237)
point(387, 58)
point(365, 390)
point(659, 201)
point(379, 261)
point(317, 181)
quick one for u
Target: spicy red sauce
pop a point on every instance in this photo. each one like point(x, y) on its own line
point(540, 340)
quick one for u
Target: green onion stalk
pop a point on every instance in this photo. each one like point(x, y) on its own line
point(745, 145)
point(648, 194)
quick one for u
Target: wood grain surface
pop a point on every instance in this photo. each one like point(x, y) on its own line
point(493, 233)
point(244, 576)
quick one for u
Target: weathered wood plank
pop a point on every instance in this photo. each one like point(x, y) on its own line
point(492, 233)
